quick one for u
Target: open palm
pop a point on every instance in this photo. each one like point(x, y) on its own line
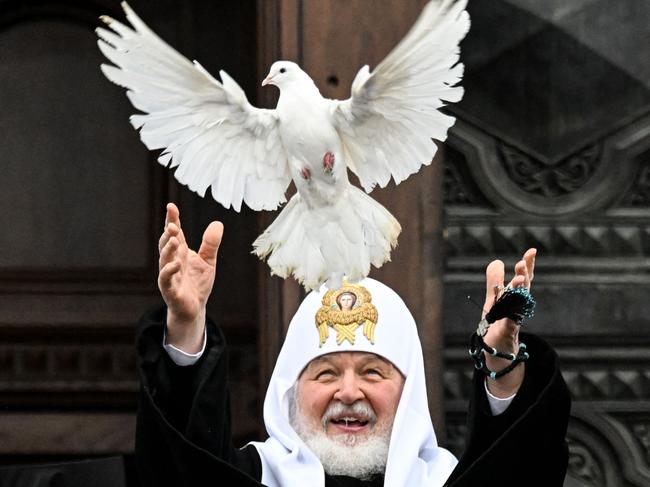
point(186, 277)
point(505, 329)
point(504, 334)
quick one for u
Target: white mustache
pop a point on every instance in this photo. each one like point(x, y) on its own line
point(358, 408)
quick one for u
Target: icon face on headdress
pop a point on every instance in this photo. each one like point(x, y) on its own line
point(346, 300)
point(346, 309)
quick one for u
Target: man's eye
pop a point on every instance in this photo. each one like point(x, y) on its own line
point(373, 372)
point(324, 374)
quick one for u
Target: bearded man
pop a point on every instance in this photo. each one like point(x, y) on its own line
point(346, 404)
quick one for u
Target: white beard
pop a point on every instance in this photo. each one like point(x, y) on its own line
point(346, 454)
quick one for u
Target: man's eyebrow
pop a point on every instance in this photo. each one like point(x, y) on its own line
point(319, 360)
point(371, 357)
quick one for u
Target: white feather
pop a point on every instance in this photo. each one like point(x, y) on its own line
point(387, 124)
point(206, 121)
point(216, 140)
point(314, 243)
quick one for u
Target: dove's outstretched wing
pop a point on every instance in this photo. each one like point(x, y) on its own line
point(387, 124)
point(208, 128)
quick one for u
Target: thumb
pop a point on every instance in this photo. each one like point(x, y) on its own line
point(210, 243)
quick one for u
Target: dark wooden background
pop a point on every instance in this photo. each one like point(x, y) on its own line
point(551, 149)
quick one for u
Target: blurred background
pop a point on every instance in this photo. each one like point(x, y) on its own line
point(551, 150)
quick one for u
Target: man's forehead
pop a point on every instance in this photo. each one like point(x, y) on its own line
point(354, 356)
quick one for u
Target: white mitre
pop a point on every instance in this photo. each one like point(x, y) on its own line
point(414, 457)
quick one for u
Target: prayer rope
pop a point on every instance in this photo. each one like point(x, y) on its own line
point(516, 304)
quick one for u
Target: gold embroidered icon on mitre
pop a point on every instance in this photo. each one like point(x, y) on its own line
point(346, 309)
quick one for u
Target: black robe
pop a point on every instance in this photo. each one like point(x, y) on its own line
point(183, 435)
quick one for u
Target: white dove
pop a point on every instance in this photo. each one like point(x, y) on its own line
point(216, 138)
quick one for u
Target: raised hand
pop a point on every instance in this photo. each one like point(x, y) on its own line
point(504, 334)
point(185, 280)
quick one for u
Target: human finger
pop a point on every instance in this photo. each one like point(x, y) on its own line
point(168, 252)
point(521, 275)
point(166, 274)
point(174, 216)
point(494, 274)
point(210, 243)
point(171, 230)
point(164, 238)
point(529, 258)
point(171, 212)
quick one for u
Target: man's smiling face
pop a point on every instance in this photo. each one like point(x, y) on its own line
point(349, 394)
point(343, 408)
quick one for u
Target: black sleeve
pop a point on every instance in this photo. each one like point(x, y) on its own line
point(183, 434)
point(525, 444)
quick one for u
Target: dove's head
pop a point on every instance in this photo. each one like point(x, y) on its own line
point(285, 73)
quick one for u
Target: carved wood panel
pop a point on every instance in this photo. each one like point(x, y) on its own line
point(82, 204)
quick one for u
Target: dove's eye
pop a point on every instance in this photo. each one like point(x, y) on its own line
point(283, 70)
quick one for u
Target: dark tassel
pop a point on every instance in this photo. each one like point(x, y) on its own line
point(515, 303)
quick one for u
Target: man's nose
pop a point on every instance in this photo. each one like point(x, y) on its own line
point(349, 390)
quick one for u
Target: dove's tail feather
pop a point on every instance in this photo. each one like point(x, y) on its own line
point(315, 244)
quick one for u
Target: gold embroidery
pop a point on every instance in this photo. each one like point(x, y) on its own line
point(346, 309)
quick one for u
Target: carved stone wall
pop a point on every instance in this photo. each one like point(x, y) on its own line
point(552, 150)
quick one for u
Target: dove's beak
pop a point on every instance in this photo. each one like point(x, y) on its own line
point(267, 80)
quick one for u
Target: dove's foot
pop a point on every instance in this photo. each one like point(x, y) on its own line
point(305, 173)
point(328, 162)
